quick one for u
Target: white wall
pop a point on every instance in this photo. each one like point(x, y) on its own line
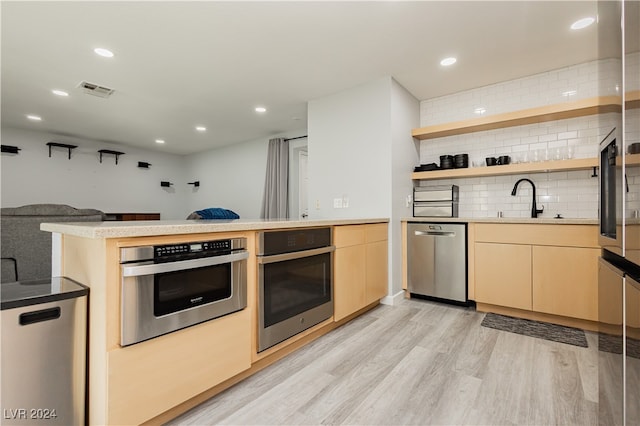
point(405, 116)
point(31, 177)
point(232, 177)
point(360, 148)
point(349, 152)
point(572, 194)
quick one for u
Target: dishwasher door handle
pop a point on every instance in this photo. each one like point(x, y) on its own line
point(435, 233)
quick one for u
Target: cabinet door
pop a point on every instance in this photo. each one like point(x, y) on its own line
point(349, 281)
point(503, 274)
point(565, 281)
point(376, 271)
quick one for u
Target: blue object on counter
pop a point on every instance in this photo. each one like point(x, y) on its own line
point(217, 213)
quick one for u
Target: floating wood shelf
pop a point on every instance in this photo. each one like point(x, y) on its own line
point(511, 169)
point(632, 100)
point(61, 145)
point(561, 111)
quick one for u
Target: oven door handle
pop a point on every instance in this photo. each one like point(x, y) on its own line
point(158, 268)
point(263, 260)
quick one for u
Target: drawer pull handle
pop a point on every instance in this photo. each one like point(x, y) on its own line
point(39, 316)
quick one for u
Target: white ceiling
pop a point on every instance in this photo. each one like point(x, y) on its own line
point(181, 64)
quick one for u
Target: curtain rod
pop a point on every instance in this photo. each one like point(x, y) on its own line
point(299, 137)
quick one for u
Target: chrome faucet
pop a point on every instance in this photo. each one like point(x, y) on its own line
point(534, 208)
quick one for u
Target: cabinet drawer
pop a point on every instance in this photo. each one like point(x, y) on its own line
point(349, 235)
point(376, 232)
point(544, 235)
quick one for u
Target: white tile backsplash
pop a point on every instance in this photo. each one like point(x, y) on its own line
point(572, 194)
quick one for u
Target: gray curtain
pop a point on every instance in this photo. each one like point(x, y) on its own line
point(275, 201)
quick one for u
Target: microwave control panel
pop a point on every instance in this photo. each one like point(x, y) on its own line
point(210, 247)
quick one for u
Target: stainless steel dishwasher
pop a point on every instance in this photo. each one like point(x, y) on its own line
point(437, 261)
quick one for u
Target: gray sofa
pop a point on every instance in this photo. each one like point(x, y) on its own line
point(25, 249)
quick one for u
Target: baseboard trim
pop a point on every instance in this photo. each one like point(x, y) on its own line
point(393, 300)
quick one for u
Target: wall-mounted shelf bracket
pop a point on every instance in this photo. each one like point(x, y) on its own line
point(108, 151)
point(165, 184)
point(10, 149)
point(61, 145)
point(196, 183)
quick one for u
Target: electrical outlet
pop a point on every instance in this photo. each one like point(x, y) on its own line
point(408, 200)
point(337, 203)
point(345, 202)
point(317, 204)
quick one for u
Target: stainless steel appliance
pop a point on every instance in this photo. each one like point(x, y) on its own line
point(618, 295)
point(43, 353)
point(169, 287)
point(611, 192)
point(437, 261)
point(434, 201)
point(295, 282)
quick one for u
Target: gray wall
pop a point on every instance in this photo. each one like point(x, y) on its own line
point(31, 177)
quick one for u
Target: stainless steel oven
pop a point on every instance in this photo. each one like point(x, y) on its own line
point(295, 282)
point(169, 287)
point(612, 184)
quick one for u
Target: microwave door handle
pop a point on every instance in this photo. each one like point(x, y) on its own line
point(435, 233)
point(158, 268)
point(263, 260)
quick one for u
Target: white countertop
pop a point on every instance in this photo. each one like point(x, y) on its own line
point(520, 220)
point(116, 229)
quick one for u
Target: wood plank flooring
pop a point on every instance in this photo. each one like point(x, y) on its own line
point(416, 363)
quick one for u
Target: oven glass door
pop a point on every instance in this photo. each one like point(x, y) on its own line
point(611, 196)
point(179, 290)
point(295, 286)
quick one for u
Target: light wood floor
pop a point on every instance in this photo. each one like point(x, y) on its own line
point(416, 363)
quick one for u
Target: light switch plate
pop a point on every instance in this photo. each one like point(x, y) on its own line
point(337, 203)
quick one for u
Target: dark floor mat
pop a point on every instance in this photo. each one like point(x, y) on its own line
point(541, 330)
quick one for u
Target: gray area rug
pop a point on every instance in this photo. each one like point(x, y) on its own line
point(541, 330)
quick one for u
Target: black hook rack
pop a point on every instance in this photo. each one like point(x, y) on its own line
point(143, 165)
point(196, 183)
point(165, 184)
point(10, 149)
point(61, 145)
point(108, 151)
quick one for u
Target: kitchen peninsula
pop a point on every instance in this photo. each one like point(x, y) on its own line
point(159, 378)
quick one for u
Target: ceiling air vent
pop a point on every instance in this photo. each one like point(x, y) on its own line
point(95, 89)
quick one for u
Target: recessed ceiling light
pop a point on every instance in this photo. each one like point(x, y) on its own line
point(261, 109)
point(103, 52)
point(201, 128)
point(59, 92)
point(583, 23)
point(480, 110)
point(34, 117)
point(159, 140)
point(448, 61)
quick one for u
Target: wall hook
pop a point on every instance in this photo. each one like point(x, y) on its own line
point(143, 165)
point(196, 183)
point(595, 172)
point(165, 184)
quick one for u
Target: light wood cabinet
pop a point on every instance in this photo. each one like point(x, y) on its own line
point(565, 281)
point(139, 374)
point(503, 275)
point(360, 267)
point(547, 269)
point(349, 283)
